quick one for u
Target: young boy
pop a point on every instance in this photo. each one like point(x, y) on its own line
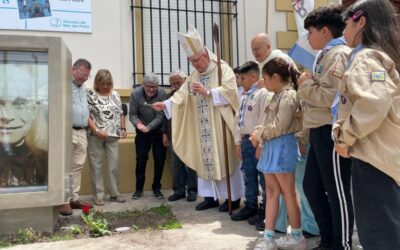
point(252, 100)
point(327, 176)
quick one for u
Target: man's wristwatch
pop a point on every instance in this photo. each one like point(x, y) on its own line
point(208, 93)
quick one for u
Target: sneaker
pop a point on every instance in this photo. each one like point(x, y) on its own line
point(244, 213)
point(176, 197)
point(289, 242)
point(264, 244)
point(119, 199)
point(137, 195)
point(99, 202)
point(158, 194)
point(192, 196)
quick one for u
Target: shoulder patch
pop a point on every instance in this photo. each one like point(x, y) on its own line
point(337, 70)
point(378, 76)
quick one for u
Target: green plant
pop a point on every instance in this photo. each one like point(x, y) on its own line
point(28, 235)
point(97, 226)
point(76, 229)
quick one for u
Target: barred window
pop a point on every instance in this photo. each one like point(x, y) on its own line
point(155, 24)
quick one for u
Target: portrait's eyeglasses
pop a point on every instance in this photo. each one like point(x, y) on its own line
point(83, 74)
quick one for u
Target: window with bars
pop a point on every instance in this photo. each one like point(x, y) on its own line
point(155, 24)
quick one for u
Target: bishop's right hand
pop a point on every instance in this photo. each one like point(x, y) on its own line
point(158, 106)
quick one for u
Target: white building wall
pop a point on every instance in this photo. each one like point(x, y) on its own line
point(109, 45)
point(253, 20)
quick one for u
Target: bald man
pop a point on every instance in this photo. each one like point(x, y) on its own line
point(263, 52)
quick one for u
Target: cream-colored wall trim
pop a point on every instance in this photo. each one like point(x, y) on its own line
point(124, 92)
point(291, 21)
point(266, 16)
point(283, 5)
point(286, 39)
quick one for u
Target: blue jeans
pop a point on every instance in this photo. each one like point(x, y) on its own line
point(377, 207)
point(250, 173)
point(182, 176)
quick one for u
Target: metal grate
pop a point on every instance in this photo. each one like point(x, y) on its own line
point(155, 24)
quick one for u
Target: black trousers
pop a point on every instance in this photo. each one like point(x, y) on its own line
point(377, 207)
point(327, 187)
point(144, 142)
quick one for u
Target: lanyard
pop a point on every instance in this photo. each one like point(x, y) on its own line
point(335, 104)
point(244, 102)
point(332, 43)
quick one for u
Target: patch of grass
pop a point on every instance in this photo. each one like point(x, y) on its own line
point(73, 227)
point(162, 210)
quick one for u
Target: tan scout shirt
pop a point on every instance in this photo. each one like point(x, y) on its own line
point(318, 94)
point(252, 112)
point(283, 116)
point(369, 111)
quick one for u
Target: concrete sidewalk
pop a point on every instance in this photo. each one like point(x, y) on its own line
point(208, 229)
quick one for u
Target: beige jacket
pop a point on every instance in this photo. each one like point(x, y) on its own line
point(369, 111)
point(282, 116)
point(318, 94)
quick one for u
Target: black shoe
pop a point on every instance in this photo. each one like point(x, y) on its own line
point(322, 247)
point(206, 204)
point(308, 235)
point(158, 194)
point(192, 196)
point(137, 195)
point(260, 216)
point(260, 225)
point(244, 213)
point(176, 197)
point(224, 207)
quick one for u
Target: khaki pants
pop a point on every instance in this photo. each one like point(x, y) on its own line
point(79, 148)
point(96, 150)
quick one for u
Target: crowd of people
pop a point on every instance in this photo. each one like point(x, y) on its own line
point(268, 127)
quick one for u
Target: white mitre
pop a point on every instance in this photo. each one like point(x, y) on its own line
point(191, 41)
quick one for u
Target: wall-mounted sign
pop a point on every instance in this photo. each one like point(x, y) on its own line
point(48, 15)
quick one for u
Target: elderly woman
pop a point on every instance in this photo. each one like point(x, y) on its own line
point(106, 125)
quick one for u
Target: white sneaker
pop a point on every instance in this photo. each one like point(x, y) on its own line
point(290, 243)
point(264, 244)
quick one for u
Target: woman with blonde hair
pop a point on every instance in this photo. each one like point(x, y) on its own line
point(107, 125)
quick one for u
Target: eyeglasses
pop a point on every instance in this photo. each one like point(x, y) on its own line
point(81, 74)
point(150, 86)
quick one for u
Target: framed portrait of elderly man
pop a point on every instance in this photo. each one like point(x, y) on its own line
point(23, 121)
point(35, 130)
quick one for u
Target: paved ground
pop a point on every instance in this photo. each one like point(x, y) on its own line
point(208, 229)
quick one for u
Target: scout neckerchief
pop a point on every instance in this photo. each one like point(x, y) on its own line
point(332, 43)
point(335, 104)
point(245, 97)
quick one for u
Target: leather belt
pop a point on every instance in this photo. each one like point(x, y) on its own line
point(78, 128)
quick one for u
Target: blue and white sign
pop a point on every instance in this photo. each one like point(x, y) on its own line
point(48, 15)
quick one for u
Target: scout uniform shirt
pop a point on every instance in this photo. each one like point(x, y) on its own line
point(369, 111)
point(319, 93)
point(283, 115)
point(250, 110)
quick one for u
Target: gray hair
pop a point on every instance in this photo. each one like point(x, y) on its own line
point(179, 73)
point(151, 78)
